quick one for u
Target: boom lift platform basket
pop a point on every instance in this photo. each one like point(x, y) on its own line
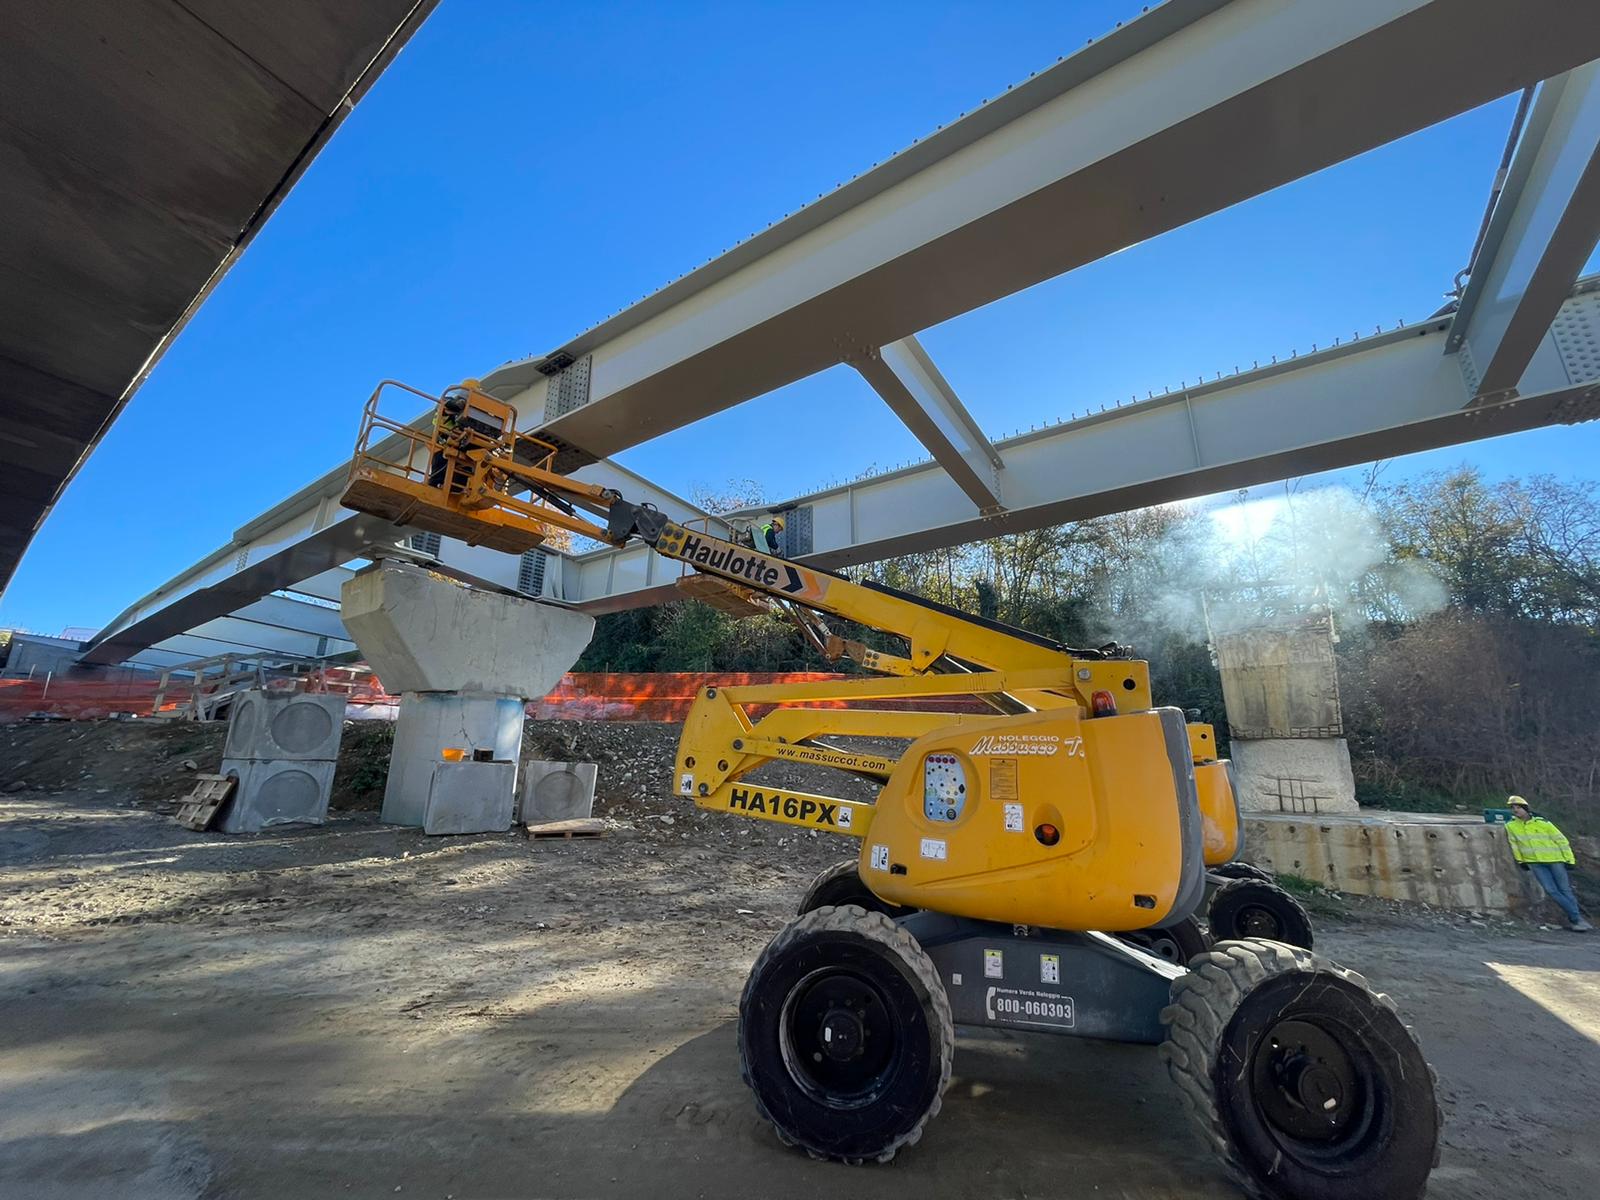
point(456, 479)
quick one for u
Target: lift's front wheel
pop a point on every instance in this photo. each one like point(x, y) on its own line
point(1249, 908)
point(845, 1035)
point(841, 884)
point(1304, 1080)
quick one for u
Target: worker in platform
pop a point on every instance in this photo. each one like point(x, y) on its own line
point(446, 426)
point(1540, 847)
point(768, 533)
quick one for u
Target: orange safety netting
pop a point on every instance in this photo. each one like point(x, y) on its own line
point(644, 696)
point(667, 695)
point(586, 696)
point(84, 700)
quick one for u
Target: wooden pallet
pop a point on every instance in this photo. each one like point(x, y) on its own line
point(200, 807)
point(580, 827)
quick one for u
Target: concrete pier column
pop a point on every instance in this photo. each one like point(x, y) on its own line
point(432, 722)
point(1280, 683)
point(1294, 775)
point(464, 662)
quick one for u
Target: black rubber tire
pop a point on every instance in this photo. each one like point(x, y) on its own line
point(1248, 908)
point(1177, 942)
point(863, 949)
point(841, 884)
point(1221, 1031)
point(1242, 870)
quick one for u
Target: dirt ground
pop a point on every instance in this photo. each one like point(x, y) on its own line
point(360, 1011)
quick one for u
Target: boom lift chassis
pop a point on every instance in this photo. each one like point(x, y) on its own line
point(1044, 822)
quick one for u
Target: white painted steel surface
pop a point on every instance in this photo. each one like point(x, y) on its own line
point(1542, 231)
point(1179, 114)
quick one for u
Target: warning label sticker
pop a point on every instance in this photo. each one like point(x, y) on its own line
point(686, 784)
point(994, 964)
point(880, 858)
point(1013, 818)
point(1003, 779)
point(935, 848)
point(1049, 968)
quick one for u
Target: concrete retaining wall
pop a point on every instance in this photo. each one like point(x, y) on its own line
point(1450, 862)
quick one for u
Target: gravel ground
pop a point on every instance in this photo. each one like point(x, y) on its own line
point(358, 1010)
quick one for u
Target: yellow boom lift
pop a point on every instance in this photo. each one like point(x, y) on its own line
point(1034, 859)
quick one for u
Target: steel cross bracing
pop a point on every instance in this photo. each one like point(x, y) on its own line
point(1176, 115)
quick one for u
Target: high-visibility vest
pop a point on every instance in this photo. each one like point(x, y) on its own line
point(1537, 841)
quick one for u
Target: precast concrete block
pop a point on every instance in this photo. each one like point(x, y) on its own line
point(287, 792)
point(285, 726)
point(470, 797)
point(431, 723)
point(422, 632)
point(556, 791)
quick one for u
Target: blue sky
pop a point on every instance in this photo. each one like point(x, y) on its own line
point(524, 170)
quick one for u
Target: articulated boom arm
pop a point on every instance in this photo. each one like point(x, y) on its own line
point(932, 631)
point(958, 668)
point(964, 661)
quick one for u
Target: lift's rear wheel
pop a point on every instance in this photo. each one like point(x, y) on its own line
point(845, 1035)
point(841, 884)
point(1177, 942)
point(1304, 1080)
point(1241, 870)
point(1248, 908)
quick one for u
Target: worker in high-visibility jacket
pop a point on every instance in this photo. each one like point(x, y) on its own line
point(1540, 847)
point(446, 426)
point(768, 533)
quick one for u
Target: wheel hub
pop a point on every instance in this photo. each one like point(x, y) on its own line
point(1259, 923)
point(842, 1035)
point(1305, 1082)
point(839, 1037)
point(1319, 1089)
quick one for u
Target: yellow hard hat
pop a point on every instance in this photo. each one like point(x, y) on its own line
point(777, 522)
point(1516, 801)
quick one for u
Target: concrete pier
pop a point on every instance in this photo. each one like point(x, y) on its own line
point(464, 662)
point(1280, 684)
point(1294, 775)
point(431, 723)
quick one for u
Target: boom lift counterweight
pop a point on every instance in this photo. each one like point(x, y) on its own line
point(1045, 818)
